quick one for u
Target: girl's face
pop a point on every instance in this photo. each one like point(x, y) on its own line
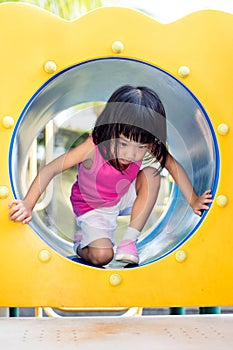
point(129, 151)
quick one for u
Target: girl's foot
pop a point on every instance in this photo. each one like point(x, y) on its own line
point(127, 252)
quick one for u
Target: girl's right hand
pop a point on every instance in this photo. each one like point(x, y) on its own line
point(19, 212)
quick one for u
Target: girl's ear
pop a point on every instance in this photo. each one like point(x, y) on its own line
point(150, 147)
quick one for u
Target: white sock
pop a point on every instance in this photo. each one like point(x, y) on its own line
point(131, 234)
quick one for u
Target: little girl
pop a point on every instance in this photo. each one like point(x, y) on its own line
point(111, 179)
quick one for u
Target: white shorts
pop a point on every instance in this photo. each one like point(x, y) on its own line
point(102, 222)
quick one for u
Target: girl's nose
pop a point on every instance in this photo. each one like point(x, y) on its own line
point(131, 154)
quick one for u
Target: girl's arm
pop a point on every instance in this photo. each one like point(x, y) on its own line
point(180, 177)
point(22, 210)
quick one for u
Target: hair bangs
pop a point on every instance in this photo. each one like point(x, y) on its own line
point(134, 133)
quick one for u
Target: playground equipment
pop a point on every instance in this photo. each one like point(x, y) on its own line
point(48, 66)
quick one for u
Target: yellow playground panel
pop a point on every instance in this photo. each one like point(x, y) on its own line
point(49, 66)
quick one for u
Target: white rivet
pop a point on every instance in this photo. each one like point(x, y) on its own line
point(117, 46)
point(44, 255)
point(8, 122)
point(222, 200)
point(50, 67)
point(181, 256)
point(184, 71)
point(115, 279)
point(4, 192)
point(223, 129)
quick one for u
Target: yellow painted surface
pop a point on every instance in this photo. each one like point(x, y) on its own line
point(202, 41)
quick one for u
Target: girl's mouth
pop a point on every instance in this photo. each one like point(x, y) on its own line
point(124, 161)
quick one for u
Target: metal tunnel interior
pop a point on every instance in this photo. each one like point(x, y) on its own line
point(191, 140)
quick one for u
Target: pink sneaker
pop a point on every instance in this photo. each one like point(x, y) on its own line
point(127, 252)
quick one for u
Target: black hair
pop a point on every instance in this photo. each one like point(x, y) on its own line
point(139, 115)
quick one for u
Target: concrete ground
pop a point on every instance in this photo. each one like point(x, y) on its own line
point(90, 333)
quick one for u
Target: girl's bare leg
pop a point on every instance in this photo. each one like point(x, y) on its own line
point(99, 252)
point(147, 189)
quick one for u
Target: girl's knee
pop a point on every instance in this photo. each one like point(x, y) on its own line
point(100, 256)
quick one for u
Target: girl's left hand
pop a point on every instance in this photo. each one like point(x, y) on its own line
point(201, 203)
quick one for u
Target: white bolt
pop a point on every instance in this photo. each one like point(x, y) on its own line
point(117, 46)
point(50, 67)
point(184, 71)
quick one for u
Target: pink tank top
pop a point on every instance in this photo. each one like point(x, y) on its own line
point(100, 186)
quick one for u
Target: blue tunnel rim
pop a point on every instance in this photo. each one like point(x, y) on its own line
point(113, 58)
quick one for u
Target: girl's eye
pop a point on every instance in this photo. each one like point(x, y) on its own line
point(142, 147)
point(123, 144)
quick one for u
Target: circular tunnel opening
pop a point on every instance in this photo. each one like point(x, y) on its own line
point(63, 111)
